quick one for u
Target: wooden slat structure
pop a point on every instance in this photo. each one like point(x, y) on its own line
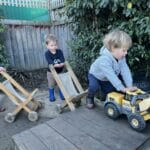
point(81, 130)
point(72, 85)
point(54, 4)
point(26, 3)
point(25, 45)
point(10, 87)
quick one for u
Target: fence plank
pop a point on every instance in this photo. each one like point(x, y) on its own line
point(34, 48)
point(14, 46)
point(40, 48)
point(25, 47)
point(20, 48)
point(29, 42)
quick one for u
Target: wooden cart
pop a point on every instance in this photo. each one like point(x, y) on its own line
point(20, 97)
point(69, 85)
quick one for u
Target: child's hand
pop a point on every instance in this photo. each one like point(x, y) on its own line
point(131, 89)
point(59, 65)
point(2, 69)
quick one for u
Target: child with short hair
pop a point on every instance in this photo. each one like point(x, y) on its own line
point(55, 57)
point(110, 71)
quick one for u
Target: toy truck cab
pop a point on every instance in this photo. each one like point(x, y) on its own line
point(136, 105)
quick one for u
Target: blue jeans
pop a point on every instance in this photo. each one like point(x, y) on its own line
point(95, 85)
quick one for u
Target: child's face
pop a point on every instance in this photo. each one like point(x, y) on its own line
point(119, 53)
point(52, 46)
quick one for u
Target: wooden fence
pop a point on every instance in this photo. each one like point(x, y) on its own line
point(25, 43)
point(25, 39)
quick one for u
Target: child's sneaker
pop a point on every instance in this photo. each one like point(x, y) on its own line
point(90, 103)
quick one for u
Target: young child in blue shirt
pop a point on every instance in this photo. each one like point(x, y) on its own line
point(109, 71)
point(55, 57)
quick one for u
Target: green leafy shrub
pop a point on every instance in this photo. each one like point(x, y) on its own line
point(92, 19)
point(3, 60)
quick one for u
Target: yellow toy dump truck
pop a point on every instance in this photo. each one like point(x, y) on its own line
point(135, 105)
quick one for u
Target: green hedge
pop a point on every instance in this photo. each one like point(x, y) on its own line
point(3, 59)
point(92, 19)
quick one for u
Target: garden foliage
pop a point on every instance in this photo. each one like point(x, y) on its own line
point(92, 19)
point(3, 60)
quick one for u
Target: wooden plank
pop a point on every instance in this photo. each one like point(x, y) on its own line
point(14, 46)
point(28, 141)
point(42, 37)
point(43, 32)
point(25, 47)
point(34, 49)
point(20, 48)
point(51, 138)
point(40, 50)
point(30, 48)
point(110, 137)
point(77, 137)
point(77, 83)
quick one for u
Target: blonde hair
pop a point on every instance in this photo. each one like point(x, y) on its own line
point(49, 38)
point(117, 39)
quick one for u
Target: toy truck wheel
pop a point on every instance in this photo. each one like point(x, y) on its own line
point(33, 116)
point(10, 118)
point(111, 111)
point(136, 122)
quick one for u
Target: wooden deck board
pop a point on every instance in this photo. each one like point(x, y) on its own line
point(111, 134)
point(51, 138)
point(27, 141)
point(82, 129)
point(76, 136)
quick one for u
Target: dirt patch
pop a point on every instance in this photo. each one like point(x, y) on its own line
point(31, 79)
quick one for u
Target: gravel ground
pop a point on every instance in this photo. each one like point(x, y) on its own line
point(7, 130)
point(31, 81)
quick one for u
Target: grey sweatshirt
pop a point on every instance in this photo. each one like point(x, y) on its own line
point(107, 68)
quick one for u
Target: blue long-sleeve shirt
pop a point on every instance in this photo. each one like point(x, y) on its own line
point(107, 68)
